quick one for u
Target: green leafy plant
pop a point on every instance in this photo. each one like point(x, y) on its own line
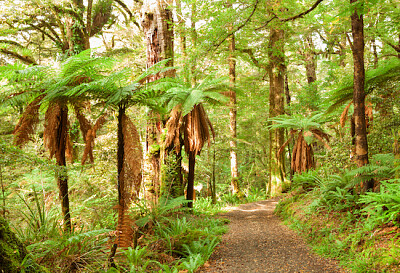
point(384, 206)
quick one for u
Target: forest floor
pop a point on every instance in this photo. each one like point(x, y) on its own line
point(258, 241)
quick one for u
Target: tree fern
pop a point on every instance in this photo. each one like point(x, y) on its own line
point(386, 72)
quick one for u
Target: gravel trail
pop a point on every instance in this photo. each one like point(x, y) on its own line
point(257, 241)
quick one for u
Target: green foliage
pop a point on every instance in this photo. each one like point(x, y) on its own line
point(307, 180)
point(375, 78)
point(298, 122)
point(384, 206)
point(41, 223)
point(179, 92)
point(77, 250)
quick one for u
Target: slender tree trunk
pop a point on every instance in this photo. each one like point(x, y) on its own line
point(342, 51)
point(194, 44)
point(310, 62)
point(311, 67)
point(232, 117)
point(182, 40)
point(396, 152)
point(361, 144)
point(276, 100)
point(190, 184)
point(61, 174)
point(120, 155)
point(375, 52)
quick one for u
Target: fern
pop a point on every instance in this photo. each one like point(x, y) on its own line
point(383, 206)
point(375, 78)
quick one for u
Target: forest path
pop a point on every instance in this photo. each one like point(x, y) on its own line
point(257, 241)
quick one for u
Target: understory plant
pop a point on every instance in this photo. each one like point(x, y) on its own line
point(361, 230)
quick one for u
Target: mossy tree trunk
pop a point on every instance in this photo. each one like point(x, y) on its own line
point(12, 251)
point(158, 30)
point(276, 73)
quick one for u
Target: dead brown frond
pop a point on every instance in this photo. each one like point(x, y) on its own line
point(27, 123)
point(321, 136)
point(89, 139)
point(343, 116)
point(173, 126)
point(132, 167)
point(69, 149)
point(196, 129)
point(125, 231)
point(52, 122)
point(369, 116)
point(303, 155)
point(129, 180)
point(84, 123)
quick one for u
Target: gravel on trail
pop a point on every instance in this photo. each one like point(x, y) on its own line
point(257, 241)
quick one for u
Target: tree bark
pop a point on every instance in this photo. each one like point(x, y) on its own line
point(158, 32)
point(276, 73)
point(232, 115)
point(61, 174)
point(190, 184)
point(361, 143)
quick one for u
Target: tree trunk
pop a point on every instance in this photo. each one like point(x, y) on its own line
point(13, 252)
point(361, 144)
point(276, 73)
point(190, 184)
point(77, 37)
point(158, 32)
point(194, 44)
point(232, 117)
point(61, 174)
point(375, 52)
point(396, 152)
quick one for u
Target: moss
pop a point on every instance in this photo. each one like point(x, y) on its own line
point(154, 149)
point(12, 251)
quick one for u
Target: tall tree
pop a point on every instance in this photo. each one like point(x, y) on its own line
point(361, 143)
point(158, 29)
point(276, 71)
point(233, 112)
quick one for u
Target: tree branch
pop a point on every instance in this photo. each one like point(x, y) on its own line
point(44, 32)
point(395, 47)
point(24, 59)
point(240, 27)
point(125, 7)
point(11, 43)
point(300, 15)
point(249, 52)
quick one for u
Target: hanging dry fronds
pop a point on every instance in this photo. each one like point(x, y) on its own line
point(303, 155)
point(89, 140)
point(321, 136)
point(27, 123)
point(69, 149)
point(84, 123)
point(369, 116)
point(292, 132)
point(343, 116)
point(130, 180)
point(132, 168)
point(52, 122)
point(125, 231)
point(173, 126)
point(196, 129)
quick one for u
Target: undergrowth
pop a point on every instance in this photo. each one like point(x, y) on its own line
point(362, 231)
